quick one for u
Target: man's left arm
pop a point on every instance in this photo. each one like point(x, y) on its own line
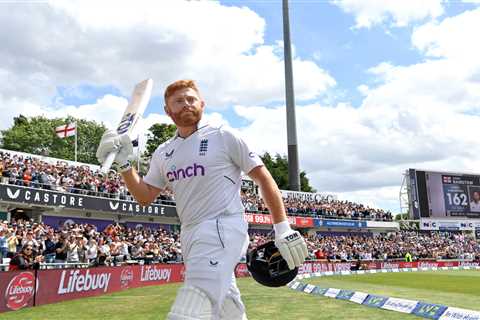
point(289, 242)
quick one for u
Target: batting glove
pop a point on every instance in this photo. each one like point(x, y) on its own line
point(291, 244)
point(110, 142)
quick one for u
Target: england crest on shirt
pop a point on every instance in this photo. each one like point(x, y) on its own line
point(203, 147)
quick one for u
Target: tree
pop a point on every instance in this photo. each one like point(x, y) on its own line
point(161, 132)
point(36, 135)
point(278, 167)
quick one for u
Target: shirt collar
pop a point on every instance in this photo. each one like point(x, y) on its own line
point(201, 124)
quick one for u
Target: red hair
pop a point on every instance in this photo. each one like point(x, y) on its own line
point(179, 85)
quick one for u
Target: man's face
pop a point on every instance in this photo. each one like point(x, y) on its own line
point(185, 107)
point(476, 196)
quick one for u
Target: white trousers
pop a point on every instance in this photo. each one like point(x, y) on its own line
point(211, 250)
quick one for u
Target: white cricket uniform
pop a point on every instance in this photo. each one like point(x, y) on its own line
point(204, 172)
point(474, 206)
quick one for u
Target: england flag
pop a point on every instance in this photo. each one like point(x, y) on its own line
point(66, 130)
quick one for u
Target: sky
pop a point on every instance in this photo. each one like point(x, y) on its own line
point(380, 85)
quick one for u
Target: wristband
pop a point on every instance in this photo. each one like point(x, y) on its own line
point(281, 228)
point(125, 167)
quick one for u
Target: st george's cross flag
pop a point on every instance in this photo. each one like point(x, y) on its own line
point(66, 130)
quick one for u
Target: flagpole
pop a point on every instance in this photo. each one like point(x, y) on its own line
point(138, 153)
point(76, 142)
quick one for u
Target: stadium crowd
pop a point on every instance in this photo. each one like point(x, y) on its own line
point(60, 176)
point(83, 243)
point(325, 208)
point(427, 245)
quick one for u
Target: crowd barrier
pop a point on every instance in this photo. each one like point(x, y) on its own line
point(321, 266)
point(55, 285)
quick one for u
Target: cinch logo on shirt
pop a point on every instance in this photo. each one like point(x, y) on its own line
point(183, 173)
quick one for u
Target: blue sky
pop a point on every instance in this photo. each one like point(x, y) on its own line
point(320, 31)
point(381, 86)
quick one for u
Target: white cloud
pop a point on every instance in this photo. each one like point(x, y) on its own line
point(451, 38)
point(423, 115)
point(107, 109)
point(71, 43)
point(369, 13)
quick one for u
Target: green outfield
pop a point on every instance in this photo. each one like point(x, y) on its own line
point(452, 288)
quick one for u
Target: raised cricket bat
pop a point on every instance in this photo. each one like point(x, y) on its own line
point(136, 107)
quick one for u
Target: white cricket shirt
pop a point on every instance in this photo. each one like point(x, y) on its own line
point(475, 206)
point(204, 172)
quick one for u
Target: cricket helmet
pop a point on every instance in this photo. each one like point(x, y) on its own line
point(268, 267)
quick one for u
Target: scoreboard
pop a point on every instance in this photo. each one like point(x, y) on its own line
point(442, 194)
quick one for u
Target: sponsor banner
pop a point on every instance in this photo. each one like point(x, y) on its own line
point(309, 288)
point(332, 292)
point(301, 286)
point(375, 301)
point(400, 305)
point(60, 222)
point(473, 264)
point(307, 196)
point(303, 222)
point(359, 297)
point(56, 285)
point(429, 310)
point(310, 267)
point(345, 294)
point(66, 284)
point(449, 225)
point(321, 223)
point(16, 289)
point(43, 197)
point(147, 225)
point(383, 224)
point(319, 291)
point(295, 285)
point(460, 314)
point(256, 218)
point(413, 266)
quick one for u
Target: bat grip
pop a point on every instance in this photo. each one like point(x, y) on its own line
point(108, 162)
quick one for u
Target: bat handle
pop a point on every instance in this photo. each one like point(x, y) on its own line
point(108, 162)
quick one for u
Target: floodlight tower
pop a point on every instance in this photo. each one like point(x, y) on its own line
point(293, 171)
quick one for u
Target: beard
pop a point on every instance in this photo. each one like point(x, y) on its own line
point(186, 117)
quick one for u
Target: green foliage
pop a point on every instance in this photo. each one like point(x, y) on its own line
point(278, 167)
point(36, 135)
point(404, 216)
point(161, 132)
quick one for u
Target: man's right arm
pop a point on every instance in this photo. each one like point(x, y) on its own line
point(141, 191)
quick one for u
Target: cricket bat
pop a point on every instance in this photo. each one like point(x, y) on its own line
point(136, 107)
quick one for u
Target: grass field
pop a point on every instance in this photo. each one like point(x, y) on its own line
point(452, 288)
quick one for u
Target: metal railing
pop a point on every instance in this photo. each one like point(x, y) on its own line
point(43, 265)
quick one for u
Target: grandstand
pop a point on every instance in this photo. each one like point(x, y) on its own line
point(52, 204)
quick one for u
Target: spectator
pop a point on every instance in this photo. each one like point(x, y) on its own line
point(25, 259)
point(61, 249)
point(3, 244)
point(91, 251)
point(49, 245)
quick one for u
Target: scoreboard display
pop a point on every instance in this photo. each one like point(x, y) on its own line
point(442, 194)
